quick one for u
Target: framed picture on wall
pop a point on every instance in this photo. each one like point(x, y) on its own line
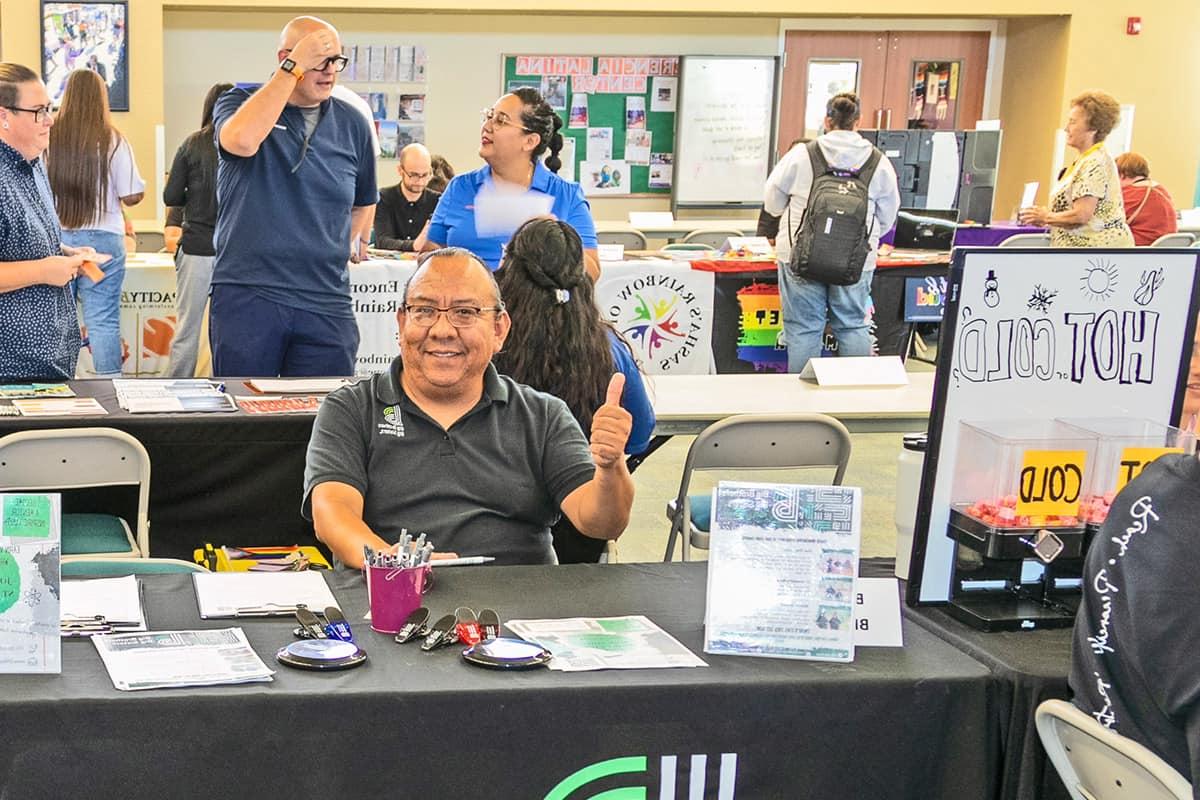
point(91, 36)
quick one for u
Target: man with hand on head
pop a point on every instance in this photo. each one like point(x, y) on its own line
point(442, 444)
point(404, 209)
point(295, 188)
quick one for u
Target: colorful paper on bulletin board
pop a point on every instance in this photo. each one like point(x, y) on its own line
point(1135, 459)
point(614, 86)
point(1051, 482)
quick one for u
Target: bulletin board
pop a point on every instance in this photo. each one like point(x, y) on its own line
point(1041, 334)
point(608, 81)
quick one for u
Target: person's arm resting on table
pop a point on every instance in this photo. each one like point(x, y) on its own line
point(600, 508)
point(337, 512)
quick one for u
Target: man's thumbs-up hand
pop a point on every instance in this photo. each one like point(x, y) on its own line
point(611, 425)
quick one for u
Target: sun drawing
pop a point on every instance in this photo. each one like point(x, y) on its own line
point(1099, 280)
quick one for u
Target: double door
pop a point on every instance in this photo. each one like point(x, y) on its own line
point(906, 79)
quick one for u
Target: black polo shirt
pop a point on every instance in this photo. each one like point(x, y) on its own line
point(491, 485)
point(398, 221)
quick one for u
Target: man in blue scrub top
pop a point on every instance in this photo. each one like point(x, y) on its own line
point(480, 210)
point(296, 177)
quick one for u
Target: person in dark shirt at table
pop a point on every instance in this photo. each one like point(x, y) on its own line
point(405, 208)
point(192, 186)
point(1134, 663)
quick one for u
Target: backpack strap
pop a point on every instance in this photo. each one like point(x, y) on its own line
point(867, 170)
point(819, 165)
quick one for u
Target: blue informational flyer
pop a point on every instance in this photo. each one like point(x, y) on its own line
point(781, 568)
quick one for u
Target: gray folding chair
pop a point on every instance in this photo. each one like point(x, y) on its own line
point(1180, 239)
point(632, 240)
point(75, 458)
point(1098, 764)
point(752, 442)
point(1026, 240)
point(713, 237)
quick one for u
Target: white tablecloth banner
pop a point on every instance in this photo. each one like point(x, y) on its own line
point(665, 312)
point(375, 290)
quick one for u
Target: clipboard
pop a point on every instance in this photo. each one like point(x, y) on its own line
point(231, 595)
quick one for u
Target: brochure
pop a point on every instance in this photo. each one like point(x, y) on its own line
point(581, 643)
point(30, 550)
point(168, 659)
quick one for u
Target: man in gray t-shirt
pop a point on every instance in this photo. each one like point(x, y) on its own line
point(442, 444)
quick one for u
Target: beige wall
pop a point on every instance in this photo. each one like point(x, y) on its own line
point(1074, 45)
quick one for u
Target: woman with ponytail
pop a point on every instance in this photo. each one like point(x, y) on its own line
point(559, 344)
point(480, 210)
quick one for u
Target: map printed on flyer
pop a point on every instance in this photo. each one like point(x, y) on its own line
point(781, 570)
point(30, 548)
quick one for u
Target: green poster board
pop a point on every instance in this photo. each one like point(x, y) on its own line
point(607, 81)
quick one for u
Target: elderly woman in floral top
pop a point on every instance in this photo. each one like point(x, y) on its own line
point(1086, 209)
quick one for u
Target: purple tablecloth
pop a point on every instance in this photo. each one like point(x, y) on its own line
point(983, 236)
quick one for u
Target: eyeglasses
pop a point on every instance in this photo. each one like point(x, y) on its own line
point(500, 119)
point(459, 316)
point(40, 114)
point(337, 62)
point(417, 176)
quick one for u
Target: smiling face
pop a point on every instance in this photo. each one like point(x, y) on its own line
point(503, 138)
point(24, 133)
point(443, 363)
point(1079, 130)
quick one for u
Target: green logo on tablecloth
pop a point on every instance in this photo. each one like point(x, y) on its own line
point(637, 765)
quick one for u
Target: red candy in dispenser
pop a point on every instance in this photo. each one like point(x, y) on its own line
point(1093, 509)
point(1001, 512)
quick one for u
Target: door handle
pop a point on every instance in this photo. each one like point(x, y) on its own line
point(888, 121)
point(879, 119)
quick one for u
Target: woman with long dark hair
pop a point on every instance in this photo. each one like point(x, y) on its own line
point(559, 344)
point(192, 184)
point(93, 174)
point(480, 210)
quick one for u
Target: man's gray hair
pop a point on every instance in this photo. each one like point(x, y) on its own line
point(453, 252)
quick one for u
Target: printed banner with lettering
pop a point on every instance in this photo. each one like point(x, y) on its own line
point(375, 290)
point(1045, 334)
point(147, 318)
point(664, 311)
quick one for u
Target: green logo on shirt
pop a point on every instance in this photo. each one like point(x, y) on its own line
point(392, 424)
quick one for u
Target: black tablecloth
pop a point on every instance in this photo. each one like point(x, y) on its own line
point(226, 478)
point(896, 723)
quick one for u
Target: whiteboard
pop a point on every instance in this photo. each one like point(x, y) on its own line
point(724, 130)
point(1040, 334)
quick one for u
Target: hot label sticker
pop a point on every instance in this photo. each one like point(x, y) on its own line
point(1135, 459)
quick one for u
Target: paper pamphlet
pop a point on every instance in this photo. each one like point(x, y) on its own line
point(221, 595)
point(1029, 194)
point(16, 390)
point(59, 406)
point(296, 385)
point(148, 396)
point(167, 659)
point(856, 371)
point(582, 644)
point(500, 211)
point(30, 550)
point(781, 569)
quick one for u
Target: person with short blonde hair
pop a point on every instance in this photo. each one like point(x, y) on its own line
point(1149, 209)
point(1086, 208)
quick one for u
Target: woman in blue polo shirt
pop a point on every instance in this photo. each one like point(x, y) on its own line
point(480, 210)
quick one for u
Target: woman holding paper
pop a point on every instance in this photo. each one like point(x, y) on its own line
point(480, 210)
point(93, 175)
point(39, 332)
point(1086, 209)
point(552, 304)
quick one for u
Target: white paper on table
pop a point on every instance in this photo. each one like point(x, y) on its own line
point(1029, 194)
point(856, 371)
point(877, 613)
point(782, 565)
point(583, 643)
point(165, 659)
point(499, 211)
point(243, 594)
point(118, 600)
point(611, 252)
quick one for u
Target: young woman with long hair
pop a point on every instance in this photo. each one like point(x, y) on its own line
point(92, 175)
point(559, 344)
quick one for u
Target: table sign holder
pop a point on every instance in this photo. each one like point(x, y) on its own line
point(30, 576)
point(1031, 336)
point(855, 371)
point(782, 564)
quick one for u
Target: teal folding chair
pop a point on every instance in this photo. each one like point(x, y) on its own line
point(83, 567)
point(76, 458)
point(751, 442)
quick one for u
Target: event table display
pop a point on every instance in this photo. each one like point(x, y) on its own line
point(897, 722)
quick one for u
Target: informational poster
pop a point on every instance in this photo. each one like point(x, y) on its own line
point(604, 176)
point(30, 551)
point(782, 563)
point(662, 93)
point(599, 144)
point(637, 147)
point(579, 111)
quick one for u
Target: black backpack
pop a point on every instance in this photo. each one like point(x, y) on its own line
point(830, 245)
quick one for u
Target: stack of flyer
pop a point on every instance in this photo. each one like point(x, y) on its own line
point(782, 564)
point(45, 400)
point(153, 396)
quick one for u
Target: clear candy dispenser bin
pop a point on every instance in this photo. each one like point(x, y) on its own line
point(1015, 480)
point(1124, 447)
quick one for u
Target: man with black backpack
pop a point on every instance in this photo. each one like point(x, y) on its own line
point(836, 196)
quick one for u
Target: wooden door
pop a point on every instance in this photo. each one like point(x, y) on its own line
point(935, 80)
point(827, 50)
